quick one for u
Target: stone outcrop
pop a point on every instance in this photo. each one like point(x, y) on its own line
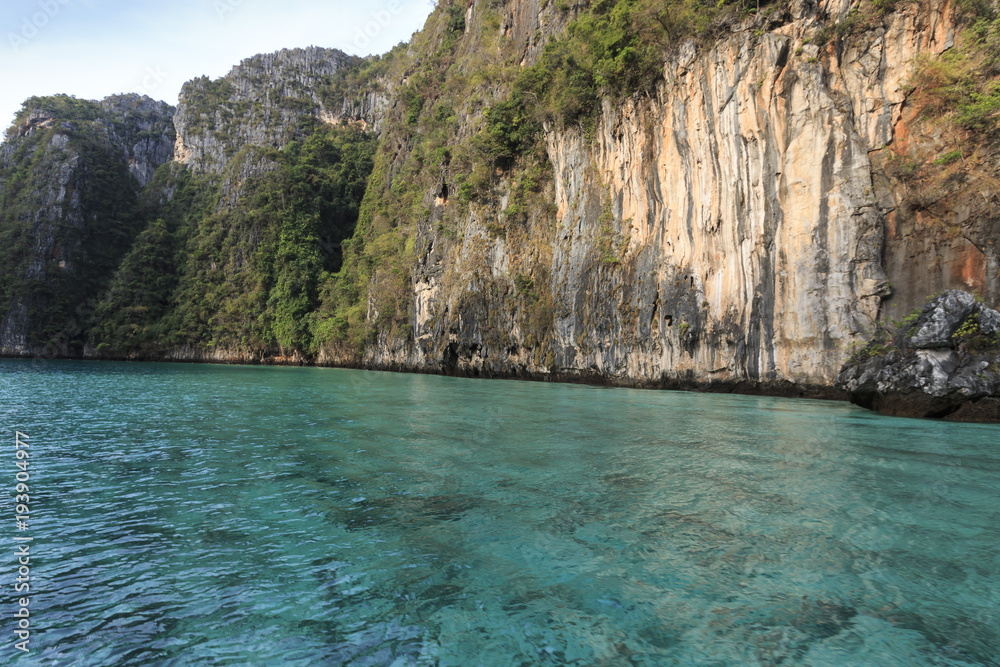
point(945, 363)
point(143, 130)
point(137, 127)
point(266, 101)
point(739, 202)
point(68, 182)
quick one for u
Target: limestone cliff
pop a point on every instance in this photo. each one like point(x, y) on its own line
point(745, 230)
point(70, 174)
point(726, 200)
point(267, 100)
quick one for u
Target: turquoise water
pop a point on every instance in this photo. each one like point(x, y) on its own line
point(236, 515)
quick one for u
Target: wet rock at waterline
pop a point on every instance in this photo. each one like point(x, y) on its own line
point(943, 363)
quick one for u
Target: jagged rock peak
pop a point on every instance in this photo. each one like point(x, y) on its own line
point(134, 103)
point(139, 127)
point(314, 60)
point(267, 100)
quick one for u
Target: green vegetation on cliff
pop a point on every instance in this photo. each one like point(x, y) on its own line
point(964, 83)
point(130, 316)
point(290, 236)
point(240, 269)
point(63, 107)
point(63, 228)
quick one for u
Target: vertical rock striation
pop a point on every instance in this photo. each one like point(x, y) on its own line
point(738, 205)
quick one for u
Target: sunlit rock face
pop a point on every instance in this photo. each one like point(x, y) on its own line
point(739, 205)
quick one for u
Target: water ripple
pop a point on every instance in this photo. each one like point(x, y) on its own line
point(189, 515)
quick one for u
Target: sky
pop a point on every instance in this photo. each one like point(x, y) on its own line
point(95, 48)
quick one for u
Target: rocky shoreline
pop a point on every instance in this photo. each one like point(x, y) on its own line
point(941, 362)
point(776, 388)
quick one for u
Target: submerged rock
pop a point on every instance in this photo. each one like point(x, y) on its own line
point(945, 364)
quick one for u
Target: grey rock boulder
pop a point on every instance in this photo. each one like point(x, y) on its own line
point(946, 364)
point(941, 318)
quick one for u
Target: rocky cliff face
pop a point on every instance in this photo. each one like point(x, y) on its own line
point(70, 172)
point(266, 101)
point(143, 130)
point(136, 127)
point(726, 230)
point(738, 224)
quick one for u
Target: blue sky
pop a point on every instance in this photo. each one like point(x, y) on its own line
point(95, 48)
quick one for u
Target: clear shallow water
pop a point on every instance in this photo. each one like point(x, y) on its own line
point(236, 515)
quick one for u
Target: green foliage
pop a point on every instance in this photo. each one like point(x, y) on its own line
point(911, 319)
point(246, 276)
point(884, 337)
point(131, 315)
point(139, 295)
point(614, 48)
point(610, 242)
point(892, 330)
point(859, 351)
point(470, 187)
point(984, 31)
point(969, 328)
point(901, 167)
point(539, 321)
point(561, 85)
point(537, 309)
point(623, 42)
point(962, 83)
point(413, 103)
point(357, 78)
point(948, 158)
point(19, 199)
point(971, 337)
point(377, 262)
point(204, 97)
point(63, 107)
point(456, 18)
point(979, 112)
point(508, 132)
point(77, 254)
